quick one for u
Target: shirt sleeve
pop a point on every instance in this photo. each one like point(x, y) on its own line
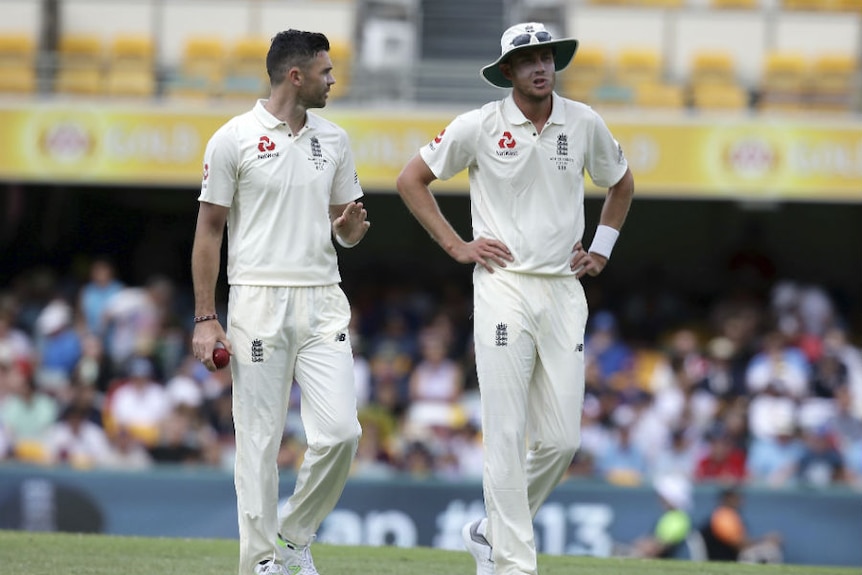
point(221, 161)
point(454, 149)
point(345, 184)
point(605, 160)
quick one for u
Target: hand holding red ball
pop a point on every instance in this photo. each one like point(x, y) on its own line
point(221, 357)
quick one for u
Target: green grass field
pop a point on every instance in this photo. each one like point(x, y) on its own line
point(22, 553)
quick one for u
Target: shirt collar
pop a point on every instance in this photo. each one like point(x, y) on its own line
point(263, 116)
point(515, 116)
point(270, 122)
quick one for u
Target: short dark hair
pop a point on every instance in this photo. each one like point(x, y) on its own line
point(293, 48)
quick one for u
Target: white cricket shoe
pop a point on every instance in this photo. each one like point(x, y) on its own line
point(297, 560)
point(269, 567)
point(479, 548)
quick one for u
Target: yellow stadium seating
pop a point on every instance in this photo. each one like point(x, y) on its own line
point(719, 97)
point(832, 82)
point(80, 60)
point(821, 5)
point(659, 95)
point(783, 81)
point(734, 4)
point(712, 67)
point(588, 71)
point(636, 66)
point(850, 5)
point(17, 64)
point(660, 3)
point(245, 72)
point(131, 67)
point(201, 70)
point(341, 54)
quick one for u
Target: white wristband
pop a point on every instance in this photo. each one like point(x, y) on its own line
point(604, 240)
point(342, 243)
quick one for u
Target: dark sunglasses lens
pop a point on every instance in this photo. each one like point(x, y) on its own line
point(521, 39)
point(543, 36)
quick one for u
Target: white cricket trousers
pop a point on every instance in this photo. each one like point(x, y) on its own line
point(279, 334)
point(529, 338)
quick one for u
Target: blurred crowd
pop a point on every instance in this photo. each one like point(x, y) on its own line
point(763, 389)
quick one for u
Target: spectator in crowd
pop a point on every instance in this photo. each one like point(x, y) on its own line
point(418, 460)
point(26, 412)
point(141, 403)
point(845, 427)
point(466, 447)
point(604, 345)
point(597, 432)
point(837, 341)
point(671, 529)
point(76, 441)
point(770, 408)
point(821, 463)
point(829, 373)
point(680, 457)
point(85, 397)
point(59, 347)
point(684, 350)
point(15, 343)
point(93, 367)
point(134, 316)
point(375, 454)
point(726, 537)
point(100, 287)
point(779, 363)
point(852, 453)
point(178, 442)
point(720, 378)
point(435, 383)
point(772, 459)
point(390, 372)
point(127, 452)
point(5, 443)
point(723, 461)
point(623, 462)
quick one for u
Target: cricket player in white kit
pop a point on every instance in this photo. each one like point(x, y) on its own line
point(283, 180)
point(526, 156)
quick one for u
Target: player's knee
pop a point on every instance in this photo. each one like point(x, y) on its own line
point(562, 449)
point(346, 436)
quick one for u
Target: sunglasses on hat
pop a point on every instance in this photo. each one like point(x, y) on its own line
point(524, 39)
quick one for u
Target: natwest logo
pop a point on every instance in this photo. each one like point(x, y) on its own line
point(266, 147)
point(507, 146)
point(507, 141)
point(265, 144)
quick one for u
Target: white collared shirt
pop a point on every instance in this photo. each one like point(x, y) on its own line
point(526, 188)
point(279, 187)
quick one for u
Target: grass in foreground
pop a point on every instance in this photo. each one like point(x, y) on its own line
point(71, 554)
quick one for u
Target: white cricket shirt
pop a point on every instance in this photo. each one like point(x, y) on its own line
point(279, 187)
point(527, 189)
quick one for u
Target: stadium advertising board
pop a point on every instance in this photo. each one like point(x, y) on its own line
point(674, 156)
point(580, 518)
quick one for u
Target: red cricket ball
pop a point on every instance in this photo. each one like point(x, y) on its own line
point(220, 357)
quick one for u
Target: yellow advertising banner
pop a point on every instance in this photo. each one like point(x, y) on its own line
point(743, 158)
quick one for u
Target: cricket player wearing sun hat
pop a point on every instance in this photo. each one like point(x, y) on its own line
point(525, 155)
